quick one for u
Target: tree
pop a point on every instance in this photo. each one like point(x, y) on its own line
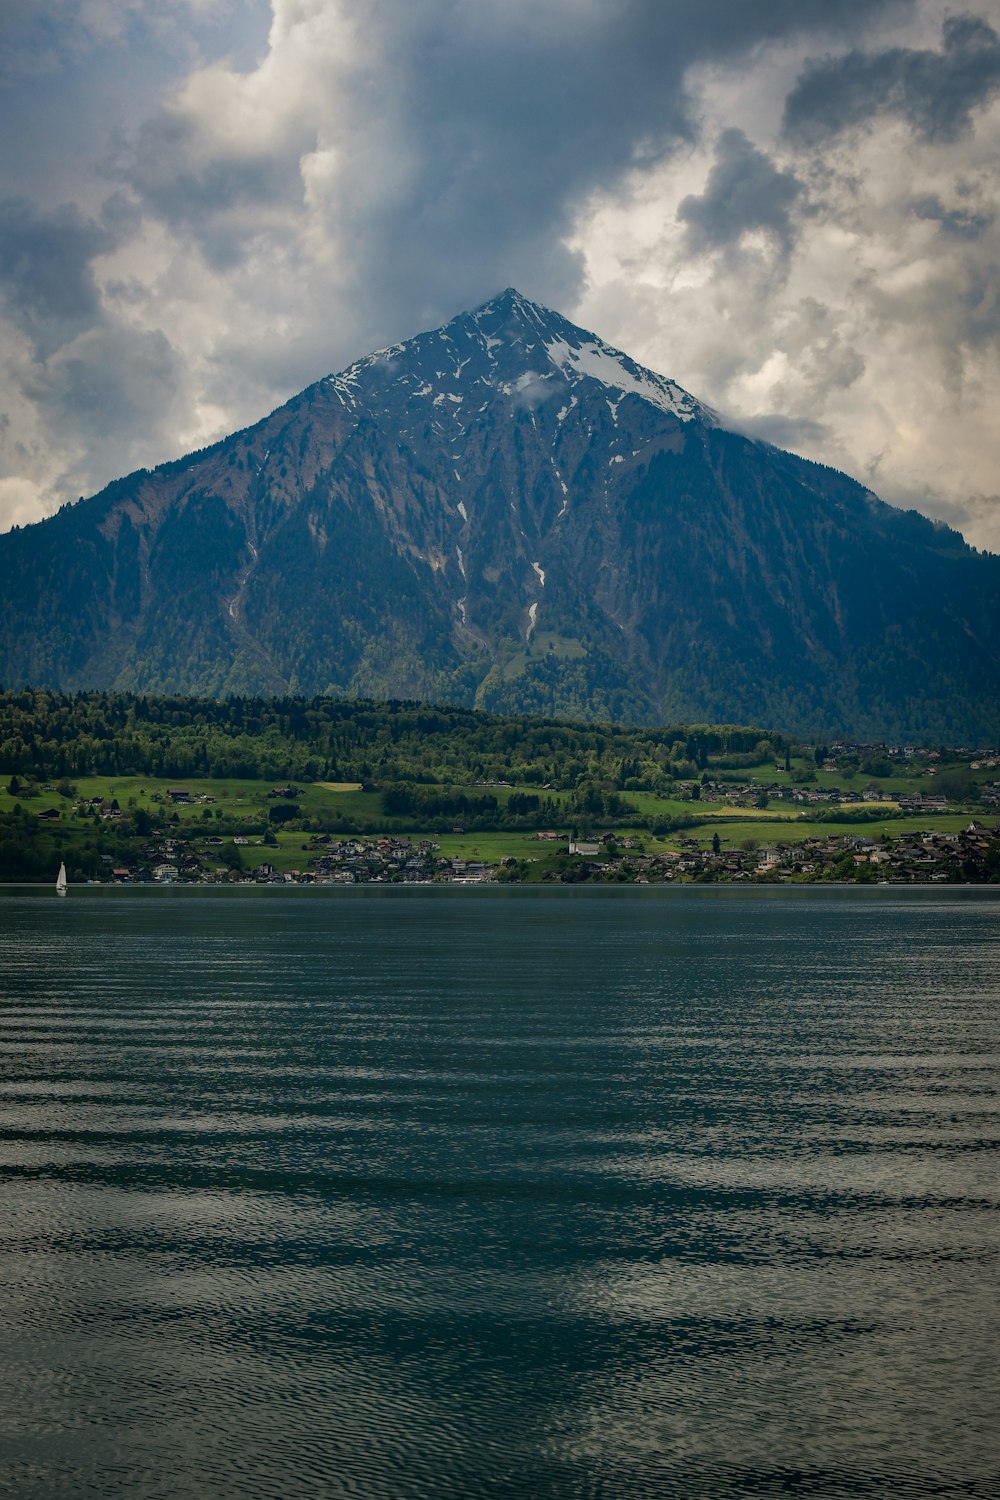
point(761, 800)
point(231, 857)
point(957, 784)
point(716, 844)
point(13, 786)
point(282, 812)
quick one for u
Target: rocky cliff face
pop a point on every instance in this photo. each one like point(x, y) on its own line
point(508, 512)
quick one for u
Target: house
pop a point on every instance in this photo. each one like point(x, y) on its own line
point(178, 794)
point(587, 851)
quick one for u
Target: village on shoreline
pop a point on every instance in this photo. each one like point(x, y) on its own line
point(969, 855)
point(484, 802)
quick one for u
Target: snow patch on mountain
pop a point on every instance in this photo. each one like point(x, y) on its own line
point(604, 364)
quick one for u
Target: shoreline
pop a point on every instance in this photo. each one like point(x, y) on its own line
point(596, 886)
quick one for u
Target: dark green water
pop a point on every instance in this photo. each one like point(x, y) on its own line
point(499, 1193)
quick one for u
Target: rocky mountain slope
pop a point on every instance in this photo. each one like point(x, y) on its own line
point(510, 513)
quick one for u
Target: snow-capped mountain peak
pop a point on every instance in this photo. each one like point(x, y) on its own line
point(517, 347)
point(577, 354)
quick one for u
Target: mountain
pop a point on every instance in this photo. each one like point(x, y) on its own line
point(508, 512)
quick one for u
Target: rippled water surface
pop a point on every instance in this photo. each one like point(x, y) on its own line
point(499, 1193)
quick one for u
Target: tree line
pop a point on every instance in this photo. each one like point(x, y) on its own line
point(47, 736)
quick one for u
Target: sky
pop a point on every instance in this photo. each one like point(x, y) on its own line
point(789, 207)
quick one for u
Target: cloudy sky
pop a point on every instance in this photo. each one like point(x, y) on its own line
point(789, 206)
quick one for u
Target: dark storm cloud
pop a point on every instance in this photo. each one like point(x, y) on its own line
point(101, 385)
point(962, 223)
point(47, 284)
point(41, 37)
point(744, 192)
point(506, 118)
point(46, 278)
point(113, 380)
point(350, 171)
point(117, 393)
point(208, 195)
point(796, 434)
point(935, 91)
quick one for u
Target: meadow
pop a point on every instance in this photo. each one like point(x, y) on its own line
point(221, 810)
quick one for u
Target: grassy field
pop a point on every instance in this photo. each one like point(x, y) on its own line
point(766, 830)
point(908, 781)
point(242, 807)
point(545, 643)
point(291, 852)
point(232, 800)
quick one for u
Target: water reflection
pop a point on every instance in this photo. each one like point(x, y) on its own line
point(501, 1193)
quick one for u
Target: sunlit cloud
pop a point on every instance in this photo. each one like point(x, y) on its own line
point(786, 207)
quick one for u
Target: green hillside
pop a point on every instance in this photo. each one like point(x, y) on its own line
point(103, 779)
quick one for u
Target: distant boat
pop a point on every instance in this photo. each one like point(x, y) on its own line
point(61, 881)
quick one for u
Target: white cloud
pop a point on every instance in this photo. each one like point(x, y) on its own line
point(872, 343)
point(290, 198)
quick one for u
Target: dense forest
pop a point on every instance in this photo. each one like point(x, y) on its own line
point(47, 735)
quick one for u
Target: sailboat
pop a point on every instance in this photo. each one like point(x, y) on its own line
point(61, 882)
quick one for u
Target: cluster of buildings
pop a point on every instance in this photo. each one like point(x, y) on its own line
point(390, 859)
point(747, 794)
point(971, 854)
point(330, 861)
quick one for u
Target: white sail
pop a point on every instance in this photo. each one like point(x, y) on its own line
point(61, 881)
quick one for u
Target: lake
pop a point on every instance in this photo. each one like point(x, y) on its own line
point(499, 1192)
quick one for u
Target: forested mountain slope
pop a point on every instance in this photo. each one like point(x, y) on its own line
point(508, 513)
